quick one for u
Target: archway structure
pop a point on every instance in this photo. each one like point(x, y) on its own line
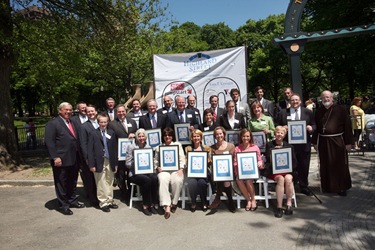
point(294, 40)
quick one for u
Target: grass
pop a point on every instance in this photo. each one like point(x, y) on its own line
point(42, 171)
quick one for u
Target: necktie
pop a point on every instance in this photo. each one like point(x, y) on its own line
point(235, 107)
point(106, 153)
point(153, 121)
point(181, 117)
point(214, 115)
point(71, 128)
point(297, 116)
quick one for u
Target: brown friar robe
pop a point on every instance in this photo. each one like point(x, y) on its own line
point(333, 132)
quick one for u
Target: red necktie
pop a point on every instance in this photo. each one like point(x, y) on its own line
point(214, 116)
point(71, 128)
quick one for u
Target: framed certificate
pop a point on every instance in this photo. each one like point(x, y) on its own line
point(143, 161)
point(197, 164)
point(182, 132)
point(247, 163)
point(123, 144)
point(281, 160)
point(297, 132)
point(169, 158)
point(233, 136)
point(208, 138)
point(153, 137)
point(222, 167)
point(260, 140)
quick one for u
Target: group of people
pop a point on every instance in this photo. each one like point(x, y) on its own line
point(88, 144)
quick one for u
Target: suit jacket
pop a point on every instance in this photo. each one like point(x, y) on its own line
point(245, 111)
point(197, 114)
point(116, 125)
point(237, 126)
point(145, 122)
point(76, 120)
point(306, 115)
point(164, 111)
point(268, 108)
point(85, 129)
point(219, 112)
point(190, 117)
point(95, 149)
point(61, 143)
point(131, 114)
point(114, 114)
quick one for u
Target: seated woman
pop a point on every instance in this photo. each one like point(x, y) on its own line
point(284, 182)
point(261, 122)
point(147, 182)
point(208, 124)
point(247, 186)
point(198, 185)
point(232, 120)
point(222, 147)
point(176, 178)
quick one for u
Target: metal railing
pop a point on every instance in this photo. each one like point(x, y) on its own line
point(28, 141)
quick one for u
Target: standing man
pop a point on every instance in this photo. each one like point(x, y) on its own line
point(124, 128)
point(191, 105)
point(61, 138)
point(168, 101)
point(152, 119)
point(214, 101)
point(87, 176)
point(110, 108)
point(332, 140)
point(182, 115)
point(240, 107)
point(266, 104)
point(287, 92)
point(136, 112)
point(81, 117)
point(302, 151)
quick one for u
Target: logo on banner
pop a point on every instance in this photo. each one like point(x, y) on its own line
point(179, 88)
point(221, 87)
point(204, 62)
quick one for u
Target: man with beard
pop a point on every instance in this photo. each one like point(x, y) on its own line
point(168, 101)
point(333, 139)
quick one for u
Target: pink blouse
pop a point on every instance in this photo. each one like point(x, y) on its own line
point(239, 148)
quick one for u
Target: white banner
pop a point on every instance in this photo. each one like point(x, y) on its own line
point(201, 74)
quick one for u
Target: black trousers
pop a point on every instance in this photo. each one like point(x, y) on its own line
point(149, 187)
point(198, 186)
point(88, 183)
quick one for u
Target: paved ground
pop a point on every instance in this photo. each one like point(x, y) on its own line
point(29, 221)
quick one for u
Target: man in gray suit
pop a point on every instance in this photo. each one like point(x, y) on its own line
point(240, 107)
point(267, 105)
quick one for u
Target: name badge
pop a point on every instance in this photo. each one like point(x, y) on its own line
point(189, 116)
point(226, 152)
point(164, 111)
point(265, 110)
point(196, 112)
point(263, 122)
point(206, 128)
point(108, 136)
point(289, 117)
point(241, 108)
point(129, 125)
point(236, 121)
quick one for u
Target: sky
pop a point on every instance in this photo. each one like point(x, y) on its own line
point(233, 13)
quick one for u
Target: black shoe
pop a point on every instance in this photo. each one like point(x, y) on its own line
point(153, 210)
point(106, 209)
point(288, 210)
point(66, 211)
point(113, 205)
point(192, 209)
point(146, 211)
point(306, 191)
point(342, 193)
point(231, 207)
point(279, 213)
point(173, 208)
point(77, 205)
point(204, 208)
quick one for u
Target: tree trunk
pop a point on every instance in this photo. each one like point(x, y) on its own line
point(9, 157)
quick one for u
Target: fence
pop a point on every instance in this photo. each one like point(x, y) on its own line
point(26, 141)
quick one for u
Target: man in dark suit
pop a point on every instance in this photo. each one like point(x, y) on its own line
point(240, 107)
point(136, 112)
point(168, 102)
point(81, 117)
point(152, 119)
point(302, 151)
point(283, 104)
point(110, 108)
point(214, 101)
point(62, 141)
point(182, 115)
point(191, 105)
point(124, 128)
point(266, 104)
point(87, 176)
